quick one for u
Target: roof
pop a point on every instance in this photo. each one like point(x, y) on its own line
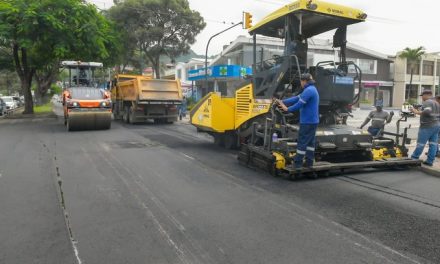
point(368, 52)
point(314, 44)
point(246, 40)
point(317, 17)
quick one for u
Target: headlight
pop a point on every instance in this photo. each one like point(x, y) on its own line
point(104, 104)
point(75, 104)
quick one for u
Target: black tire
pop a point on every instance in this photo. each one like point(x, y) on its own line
point(230, 140)
point(219, 139)
point(126, 116)
point(131, 116)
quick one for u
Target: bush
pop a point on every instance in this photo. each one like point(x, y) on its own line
point(411, 101)
point(190, 103)
point(55, 89)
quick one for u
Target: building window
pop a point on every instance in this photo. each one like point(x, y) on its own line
point(438, 68)
point(179, 74)
point(351, 68)
point(416, 69)
point(411, 92)
point(368, 66)
point(426, 87)
point(428, 68)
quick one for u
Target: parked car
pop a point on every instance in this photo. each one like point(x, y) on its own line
point(2, 107)
point(17, 101)
point(10, 103)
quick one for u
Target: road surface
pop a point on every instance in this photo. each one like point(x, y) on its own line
point(165, 194)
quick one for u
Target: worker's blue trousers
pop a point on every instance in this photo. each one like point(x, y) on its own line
point(430, 135)
point(306, 145)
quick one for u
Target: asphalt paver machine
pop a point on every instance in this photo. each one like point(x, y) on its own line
point(339, 147)
point(251, 119)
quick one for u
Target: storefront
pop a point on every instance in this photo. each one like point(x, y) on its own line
point(221, 78)
point(376, 90)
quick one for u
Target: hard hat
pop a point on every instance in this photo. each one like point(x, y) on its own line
point(306, 77)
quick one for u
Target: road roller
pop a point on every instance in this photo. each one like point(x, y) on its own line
point(87, 106)
point(268, 137)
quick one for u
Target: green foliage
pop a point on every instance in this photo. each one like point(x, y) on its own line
point(412, 55)
point(40, 33)
point(365, 101)
point(411, 101)
point(157, 28)
point(55, 89)
point(43, 109)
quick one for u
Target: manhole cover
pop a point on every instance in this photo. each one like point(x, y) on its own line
point(133, 144)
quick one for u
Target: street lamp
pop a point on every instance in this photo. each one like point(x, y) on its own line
point(207, 47)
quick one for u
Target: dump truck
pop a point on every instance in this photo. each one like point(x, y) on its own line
point(250, 119)
point(86, 107)
point(139, 98)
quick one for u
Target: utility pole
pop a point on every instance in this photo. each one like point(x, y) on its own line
point(207, 47)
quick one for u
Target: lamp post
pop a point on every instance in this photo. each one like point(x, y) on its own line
point(207, 47)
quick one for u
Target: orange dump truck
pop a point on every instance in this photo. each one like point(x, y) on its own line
point(139, 98)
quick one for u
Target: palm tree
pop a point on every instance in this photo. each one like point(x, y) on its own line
point(412, 56)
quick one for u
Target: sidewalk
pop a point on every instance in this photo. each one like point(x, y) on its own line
point(434, 170)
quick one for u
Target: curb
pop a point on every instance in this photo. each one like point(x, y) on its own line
point(31, 116)
point(429, 171)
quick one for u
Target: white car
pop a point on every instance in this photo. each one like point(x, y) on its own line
point(10, 102)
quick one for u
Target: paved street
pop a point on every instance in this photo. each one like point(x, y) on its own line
point(165, 194)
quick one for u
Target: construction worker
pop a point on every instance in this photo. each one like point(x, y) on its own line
point(182, 108)
point(378, 118)
point(307, 103)
point(437, 99)
point(429, 127)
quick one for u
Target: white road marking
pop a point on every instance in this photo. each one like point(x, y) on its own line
point(105, 146)
point(75, 249)
point(187, 156)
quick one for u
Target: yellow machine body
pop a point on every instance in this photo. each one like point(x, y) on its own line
point(384, 153)
point(214, 113)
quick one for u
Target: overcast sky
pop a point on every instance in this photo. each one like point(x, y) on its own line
point(391, 25)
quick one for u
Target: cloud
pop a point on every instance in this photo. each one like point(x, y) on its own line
point(391, 25)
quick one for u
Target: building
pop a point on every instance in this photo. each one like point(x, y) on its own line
point(180, 71)
point(377, 79)
point(426, 75)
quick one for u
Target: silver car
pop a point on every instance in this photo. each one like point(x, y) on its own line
point(10, 102)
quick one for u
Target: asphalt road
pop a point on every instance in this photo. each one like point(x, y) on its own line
point(165, 194)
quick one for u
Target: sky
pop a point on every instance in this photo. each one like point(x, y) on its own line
point(391, 25)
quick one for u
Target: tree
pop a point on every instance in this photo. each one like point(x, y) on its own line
point(41, 33)
point(412, 56)
point(157, 28)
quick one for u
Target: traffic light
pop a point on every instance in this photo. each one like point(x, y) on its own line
point(247, 20)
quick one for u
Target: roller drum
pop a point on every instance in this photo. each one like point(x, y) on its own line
point(89, 121)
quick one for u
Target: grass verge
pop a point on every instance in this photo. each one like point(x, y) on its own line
point(43, 109)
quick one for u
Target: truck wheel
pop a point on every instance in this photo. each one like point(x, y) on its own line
point(126, 116)
point(219, 139)
point(230, 140)
point(131, 116)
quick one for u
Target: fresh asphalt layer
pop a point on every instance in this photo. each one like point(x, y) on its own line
point(165, 194)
